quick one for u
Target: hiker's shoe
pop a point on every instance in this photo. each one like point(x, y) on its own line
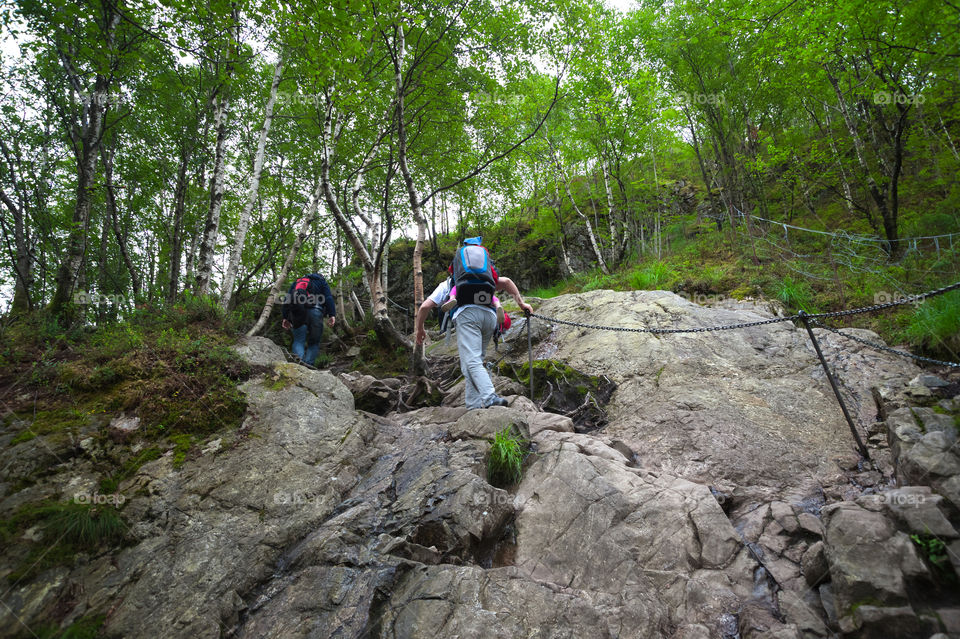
point(449, 305)
point(500, 316)
point(499, 401)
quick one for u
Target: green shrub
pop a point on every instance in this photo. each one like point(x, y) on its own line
point(505, 463)
point(935, 553)
point(593, 281)
point(83, 628)
point(547, 292)
point(181, 446)
point(795, 294)
point(654, 276)
point(85, 526)
point(935, 325)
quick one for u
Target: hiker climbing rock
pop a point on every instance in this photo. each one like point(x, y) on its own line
point(475, 279)
point(304, 306)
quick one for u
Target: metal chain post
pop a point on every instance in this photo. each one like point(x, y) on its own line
point(833, 384)
point(530, 355)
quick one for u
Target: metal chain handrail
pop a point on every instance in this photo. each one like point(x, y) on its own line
point(882, 347)
point(879, 307)
point(789, 318)
point(660, 331)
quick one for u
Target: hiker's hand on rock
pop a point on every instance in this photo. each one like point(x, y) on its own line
point(286, 324)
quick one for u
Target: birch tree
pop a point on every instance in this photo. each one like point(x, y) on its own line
point(230, 276)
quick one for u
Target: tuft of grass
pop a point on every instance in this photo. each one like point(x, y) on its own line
point(935, 325)
point(505, 462)
point(83, 628)
point(84, 525)
point(69, 528)
point(795, 294)
point(548, 291)
point(181, 446)
point(652, 277)
point(596, 281)
point(935, 553)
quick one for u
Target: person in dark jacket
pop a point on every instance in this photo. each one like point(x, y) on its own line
point(304, 306)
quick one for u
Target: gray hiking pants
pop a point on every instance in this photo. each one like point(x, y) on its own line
point(475, 327)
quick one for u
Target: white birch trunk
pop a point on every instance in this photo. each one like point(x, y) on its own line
point(358, 307)
point(412, 194)
point(563, 249)
point(586, 220)
point(378, 300)
point(847, 192)
point(230, 276)
point(212, 227)
point(611, 213)
point(339, 259)
point(384, 268)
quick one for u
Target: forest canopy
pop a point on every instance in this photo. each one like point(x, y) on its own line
point(153, 150)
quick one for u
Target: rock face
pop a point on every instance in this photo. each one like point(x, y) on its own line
point(723, 499)
point(749, 408)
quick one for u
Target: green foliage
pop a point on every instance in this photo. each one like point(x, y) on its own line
point(595, 281)
point(795, 294)
point(181, 446)
point(83, 628)
point(652, 277)
point(548, 292)
point(505, 460)
point(935, 325)
point(84, 525)
point(68, 528)
point(936, 555)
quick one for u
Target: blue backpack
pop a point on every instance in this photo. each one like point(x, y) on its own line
point(474, 274)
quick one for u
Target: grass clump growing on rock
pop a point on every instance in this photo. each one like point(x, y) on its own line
point(935, 553)
point(505, 462)
point(72, 528)
point(796, 294)
point(84, 525)
point(935, 325)
point(83, 628)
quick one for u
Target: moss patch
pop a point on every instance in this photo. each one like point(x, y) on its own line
point(173, 369)
point(72, 528)
point(563, 389)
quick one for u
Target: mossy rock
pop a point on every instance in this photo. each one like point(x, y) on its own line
point(565, 390)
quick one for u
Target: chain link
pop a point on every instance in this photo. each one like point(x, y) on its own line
point(881, 347)
point(879, 307)
point(813, 316)
point(661, 331)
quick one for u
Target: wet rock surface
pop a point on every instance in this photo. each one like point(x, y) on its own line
point(723, 499)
